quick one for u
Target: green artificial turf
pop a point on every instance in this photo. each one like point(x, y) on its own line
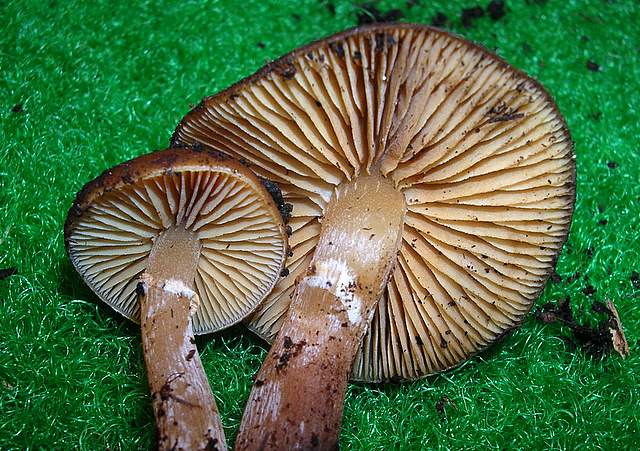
point(85, 85)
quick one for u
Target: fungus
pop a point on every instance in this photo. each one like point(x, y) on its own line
point(433, 187)
point(183, 242)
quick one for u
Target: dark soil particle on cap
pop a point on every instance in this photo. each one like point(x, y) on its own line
point(284, 208)
point(594, 341)
point(284, 272)
point(496, 9)
point(288, 70)
point(369, 13)
point(291, 349)
point(337, 48)
point(439, 20)
point(8, 272)
point(468, 15)
point(315, 441)
point(17, 108)
point(190, 355)
point(593, 66)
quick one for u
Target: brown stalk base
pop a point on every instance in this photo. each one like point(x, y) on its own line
point(183, 404)
point(298, 395)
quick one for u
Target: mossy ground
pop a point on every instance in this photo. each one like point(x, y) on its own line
point(85, 85)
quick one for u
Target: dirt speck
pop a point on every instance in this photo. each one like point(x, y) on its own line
point(496, 9)
point(612, 165)
point(593, 66)
point(443, 403)
point(291, 349)
point(276, 194)
point(468, 15)
point(555, 277)
point(8, 272)
point(17, 108)
point(439, 20)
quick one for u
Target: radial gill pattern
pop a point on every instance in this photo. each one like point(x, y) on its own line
point(479, 150)
point(242, 246)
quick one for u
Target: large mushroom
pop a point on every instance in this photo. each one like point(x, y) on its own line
point(433, 187)
point(183, 242)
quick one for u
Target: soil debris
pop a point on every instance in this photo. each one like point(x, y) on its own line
point(442, 405)
point(291, 349)
point(8, 272)
point(593, 66)
point(439, 20)
point(612, 165)
point(17, 108)
point(496, 9)
point(284, 207)
point(555, 277)
point(596, 341)
point(468, 15)
point(635, 279)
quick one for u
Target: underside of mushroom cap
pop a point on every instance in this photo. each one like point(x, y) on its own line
point(116, 219)
point(479, 150)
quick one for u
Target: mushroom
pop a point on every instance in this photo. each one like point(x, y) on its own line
point(433, 188)
point(183, 242)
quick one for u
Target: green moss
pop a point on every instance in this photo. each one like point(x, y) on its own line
point(100, 82)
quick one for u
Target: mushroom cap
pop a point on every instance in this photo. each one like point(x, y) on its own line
point(112, 225)
point(479, 149)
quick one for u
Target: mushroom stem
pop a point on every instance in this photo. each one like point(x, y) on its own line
point(298, 395)
point(183, 404)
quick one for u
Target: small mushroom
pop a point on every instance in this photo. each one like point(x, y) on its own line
point(433, 187)
point(183, 242)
